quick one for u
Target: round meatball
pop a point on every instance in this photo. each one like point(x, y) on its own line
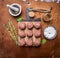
point(37, 25)
point(30, 25)
point(22, 34)
point(22, 42)
point(29, 42)
point(37, 33)
point(37, 42)
point(29, 33)
point(21, 25)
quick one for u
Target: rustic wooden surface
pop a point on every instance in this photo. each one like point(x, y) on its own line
point(8, 48)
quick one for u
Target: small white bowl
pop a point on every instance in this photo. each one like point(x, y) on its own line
point(50, 32)
point(18, 12)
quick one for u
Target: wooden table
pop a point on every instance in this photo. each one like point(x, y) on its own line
point(8, 48)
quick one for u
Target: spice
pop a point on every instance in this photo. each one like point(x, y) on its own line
point(31, 14)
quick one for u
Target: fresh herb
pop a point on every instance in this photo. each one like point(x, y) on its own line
point(19, 19)
point(43, 41)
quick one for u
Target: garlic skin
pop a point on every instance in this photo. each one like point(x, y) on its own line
point(24, 0)
point(42, 0)
point(58, 1)
point(48, 0)
point(35, 0)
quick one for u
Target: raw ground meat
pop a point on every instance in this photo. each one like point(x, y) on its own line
point(29, 33)
point(37, 25)
point(22, 34)
point(29, 42)
point(21, 25)
point(37, 33)
point(21, 42)
point(37, 42)
point(30, 25)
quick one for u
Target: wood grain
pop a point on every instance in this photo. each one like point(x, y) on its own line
point(8, 48)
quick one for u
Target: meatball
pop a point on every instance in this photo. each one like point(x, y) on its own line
point(37, 25)
point(29, 42)
point(22, 42)
point(37, 42)
point(30, 25)
point(29, 33)
point(22, 34)
point(37, 33)
point(21, 25)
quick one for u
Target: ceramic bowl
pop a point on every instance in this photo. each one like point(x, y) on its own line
point(20, 9)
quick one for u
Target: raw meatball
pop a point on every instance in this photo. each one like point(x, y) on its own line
point(37, 25)
point(22, 42)
point(30, 25)
point(37, 42)
point(22, 25)
point(22, 34)
point(37, 33)
point(29, 33)
point(29, 42)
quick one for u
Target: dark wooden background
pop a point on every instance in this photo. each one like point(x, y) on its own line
point(8, 48)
